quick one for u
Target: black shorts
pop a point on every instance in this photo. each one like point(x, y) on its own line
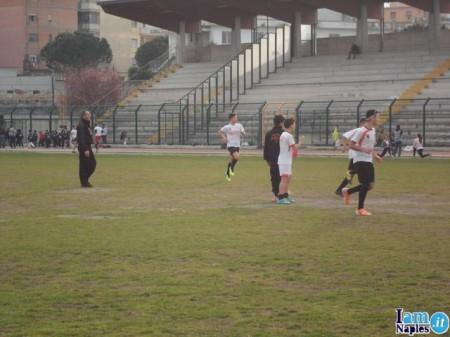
point(366, 172)
point(351, 167)
point(233, 149)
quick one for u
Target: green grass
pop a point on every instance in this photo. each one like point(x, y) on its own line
point(164, 246)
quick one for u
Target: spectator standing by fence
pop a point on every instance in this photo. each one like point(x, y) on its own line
point(398, 141)
point(104, 134)
point(2, 138)
point(12, 137)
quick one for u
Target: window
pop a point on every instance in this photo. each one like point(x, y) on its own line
point(88, 18)
point(33, 59)
point(409, 15)
point(33, 37)
point(50, 19)
point(226, 37)
point(393, 16)
point(134, 43)
point(32, 18)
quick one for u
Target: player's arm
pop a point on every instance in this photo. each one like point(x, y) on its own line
point(377, 158)
point(223, 135)
point(355, 146)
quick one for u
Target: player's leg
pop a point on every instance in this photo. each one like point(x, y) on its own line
point(275, 179)
point(348, 178)
point(285, 174)
point(367, 180)
point(235, 156)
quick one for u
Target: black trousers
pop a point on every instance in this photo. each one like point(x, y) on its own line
point(275, 178)
point(87, 166)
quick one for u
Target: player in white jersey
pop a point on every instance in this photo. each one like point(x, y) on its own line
point(288, 151)
point(346, 141)
point(231, 135)
point(363, 143)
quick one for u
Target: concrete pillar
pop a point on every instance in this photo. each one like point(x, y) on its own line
point(236, 36)
point(297, 35)
point(314, 35)
point(434, 26)
point(181, 42)
point(362, 28)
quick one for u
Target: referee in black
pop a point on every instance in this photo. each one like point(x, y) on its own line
point(272, 151)
point(84, 139)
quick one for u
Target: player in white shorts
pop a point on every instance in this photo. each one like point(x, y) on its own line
point(231, 135)
point(288, 151)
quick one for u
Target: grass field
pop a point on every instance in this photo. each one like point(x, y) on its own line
point(164, 246)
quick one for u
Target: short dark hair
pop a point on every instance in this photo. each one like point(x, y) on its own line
point(362, 120)
point(231, 115)
point(288, 122)
point(278, 120)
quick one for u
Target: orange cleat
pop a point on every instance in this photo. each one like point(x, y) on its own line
point(362, 212)
point(346, 196)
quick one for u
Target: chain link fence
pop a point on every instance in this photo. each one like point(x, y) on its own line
point(198, 124)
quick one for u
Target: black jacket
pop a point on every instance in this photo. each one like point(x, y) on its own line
point(272, 145)
point(84, 136)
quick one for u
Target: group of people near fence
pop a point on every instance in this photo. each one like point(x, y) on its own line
point(15, 138)
point(393, 144)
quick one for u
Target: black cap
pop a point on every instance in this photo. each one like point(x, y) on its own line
point(371, 113)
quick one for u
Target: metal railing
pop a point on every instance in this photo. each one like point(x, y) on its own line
point(316, 120)
point(255, 62)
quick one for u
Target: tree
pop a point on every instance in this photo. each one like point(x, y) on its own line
point(151, 50)
point(93, 87)
point(76, 51)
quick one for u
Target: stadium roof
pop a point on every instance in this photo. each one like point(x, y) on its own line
point(167, 14)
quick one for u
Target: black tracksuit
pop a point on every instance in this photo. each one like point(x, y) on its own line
point(271, 153)
point(84, 139)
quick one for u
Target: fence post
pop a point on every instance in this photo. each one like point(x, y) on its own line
point(327, 123)
point(159, 123)
point(50, 121)
point(424, 120)
point(260, 58)
point(71, 117)
point(187, 119)
point(231, 81)
point(114, 123)
point(260, 125)
point(195, 111)
point(217, 94)
point(358, 112)
point(31, 118)
point(203, 104)
point(180, 126)
point(207, 123)
point(224, 85)
point(136, 122)
point(297, 124)
point(390, 116)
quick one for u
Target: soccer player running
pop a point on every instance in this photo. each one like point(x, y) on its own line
point(288, 150)
point(363, 143)
point(346, 141)
point(231, 135)
point(272, 151)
